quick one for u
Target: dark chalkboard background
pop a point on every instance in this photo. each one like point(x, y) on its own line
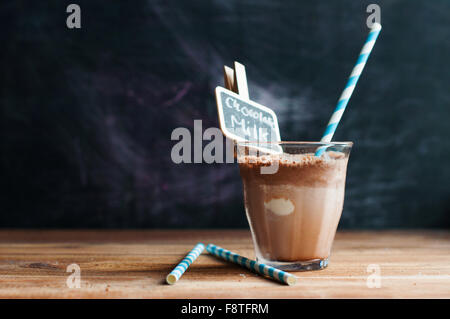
point(86, 115)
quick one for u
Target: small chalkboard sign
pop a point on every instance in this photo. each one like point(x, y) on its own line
point(243, 120)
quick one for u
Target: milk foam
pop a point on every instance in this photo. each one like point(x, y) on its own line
point(280, 206)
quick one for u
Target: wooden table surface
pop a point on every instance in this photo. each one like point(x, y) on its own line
point(133, 264)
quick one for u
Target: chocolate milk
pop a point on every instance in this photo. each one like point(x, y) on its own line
point(294, 213)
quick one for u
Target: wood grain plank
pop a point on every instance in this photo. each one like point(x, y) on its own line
point(133, 264)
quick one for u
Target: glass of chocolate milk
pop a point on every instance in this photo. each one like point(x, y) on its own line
point(293, 200)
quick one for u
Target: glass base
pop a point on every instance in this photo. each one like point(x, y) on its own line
point(315, 264)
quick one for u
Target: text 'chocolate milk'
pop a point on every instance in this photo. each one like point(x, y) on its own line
point(294, 213)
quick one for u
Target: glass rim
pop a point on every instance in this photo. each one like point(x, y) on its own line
point(346, 143)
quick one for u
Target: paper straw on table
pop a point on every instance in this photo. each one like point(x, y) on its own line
point(252, 265)
point(179, 270)
point(350, 86)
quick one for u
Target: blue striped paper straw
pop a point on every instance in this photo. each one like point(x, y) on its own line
point(252, 265)
point(179, 270)
point(351, 83)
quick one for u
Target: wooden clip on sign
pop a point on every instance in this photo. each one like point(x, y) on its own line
point(240, 118)
point(229, 78)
